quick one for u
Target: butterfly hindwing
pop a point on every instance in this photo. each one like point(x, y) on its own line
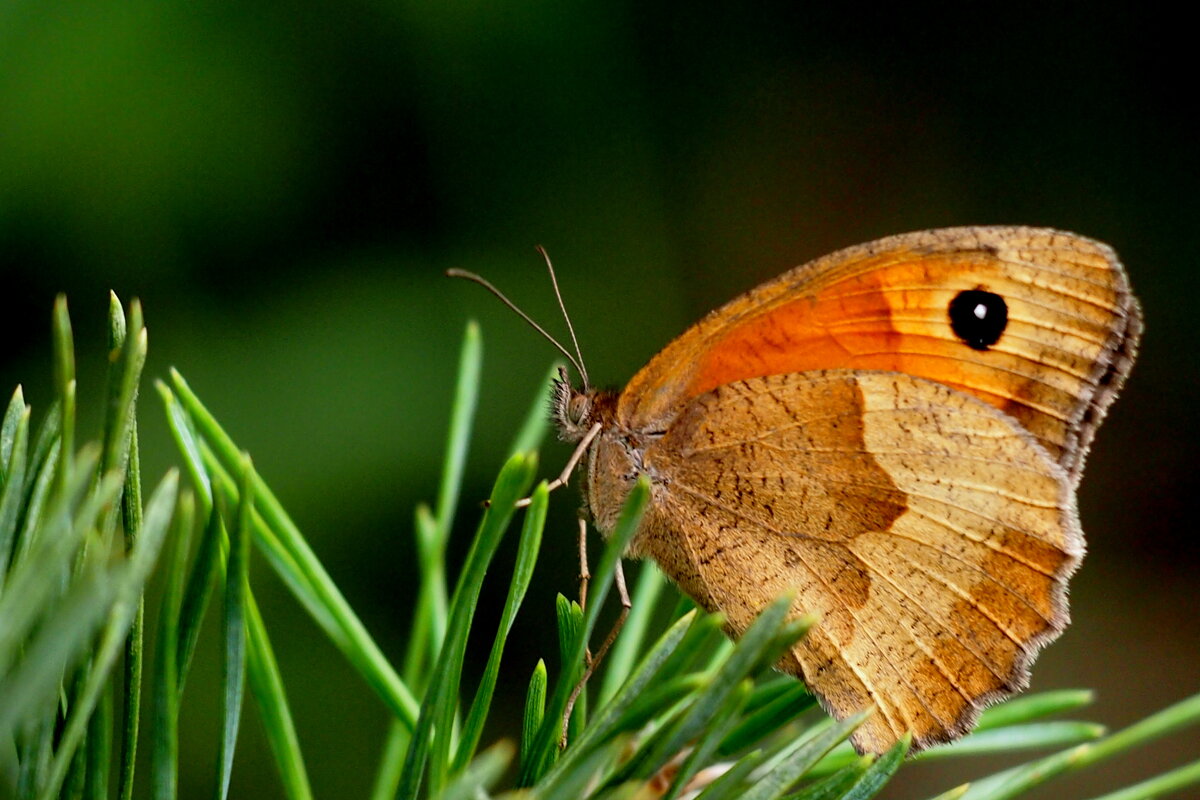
point(930, 532)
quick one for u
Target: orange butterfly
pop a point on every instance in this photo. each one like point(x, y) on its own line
point(895, 433)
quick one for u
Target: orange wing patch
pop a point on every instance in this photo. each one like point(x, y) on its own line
point(1071, 328)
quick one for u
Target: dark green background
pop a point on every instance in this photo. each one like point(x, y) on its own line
point(283, 185)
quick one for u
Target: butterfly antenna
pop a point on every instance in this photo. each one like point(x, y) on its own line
point(471, 276)
point(562, 307)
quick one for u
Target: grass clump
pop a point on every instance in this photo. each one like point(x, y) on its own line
point(677, 711)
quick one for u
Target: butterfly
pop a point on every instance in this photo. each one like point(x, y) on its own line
point(893, 432)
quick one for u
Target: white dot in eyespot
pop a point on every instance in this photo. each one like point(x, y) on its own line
point(980, 311)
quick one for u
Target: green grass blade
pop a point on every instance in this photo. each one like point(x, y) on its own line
point(64, 383)
point(1017, 737)
point(391, 763)
point(36, 749)
point(266, 686)
point(546, 744)
point(428, 629)
point(659, 702)
point(1183, 714)
point(652, 712)
point(188, 444)
point(39, 492)
point(433, 528)
point(124, 380)
point(623, 654)
point(535, 710)
point(131, 675)
point(315, 598)
point(839, 758)
point(1172, 781)
point(8, 429)
point(72, 788)
point(872, 781)
point(462, 412)
point(49, 432)
point(569, 616)
point(164, 745)
point(718, 726)
point(762, 722)
point(988, 742)
point(1000, 730)
point(836, 785)
point(770, 689)
point(43, 469)
point(321, 598)
point(13, 492)
point(720, 653)
point(30, 690)
point(116, 326)
point(114, 379)
point(701, 634)
point(658, 722)
point(276, 534)
point(233, 628)
point(527, 553)
point(1014, 781)
point(98, 744)
point(121, 451)
point(480, 774)
point(201, 581)
point(1027, 708)
point(431, 737)
point(1017, 780)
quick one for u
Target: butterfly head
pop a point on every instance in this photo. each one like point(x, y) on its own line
point(571, 408)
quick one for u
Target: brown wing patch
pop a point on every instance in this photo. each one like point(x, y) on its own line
point(1072, 328)
point(750, 438)
point(930, 533)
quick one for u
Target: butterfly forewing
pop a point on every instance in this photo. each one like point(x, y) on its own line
point(1051, 351)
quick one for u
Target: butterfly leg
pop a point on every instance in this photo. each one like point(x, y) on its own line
point(626, 604)
point(572, 463)
point(585, 576)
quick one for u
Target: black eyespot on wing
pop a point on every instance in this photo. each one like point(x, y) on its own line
point(978, 318)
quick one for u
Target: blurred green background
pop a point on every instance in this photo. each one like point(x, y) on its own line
point(283, 185)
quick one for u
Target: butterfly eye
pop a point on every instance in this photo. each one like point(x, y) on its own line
point(577, 409)
point(978, 318)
